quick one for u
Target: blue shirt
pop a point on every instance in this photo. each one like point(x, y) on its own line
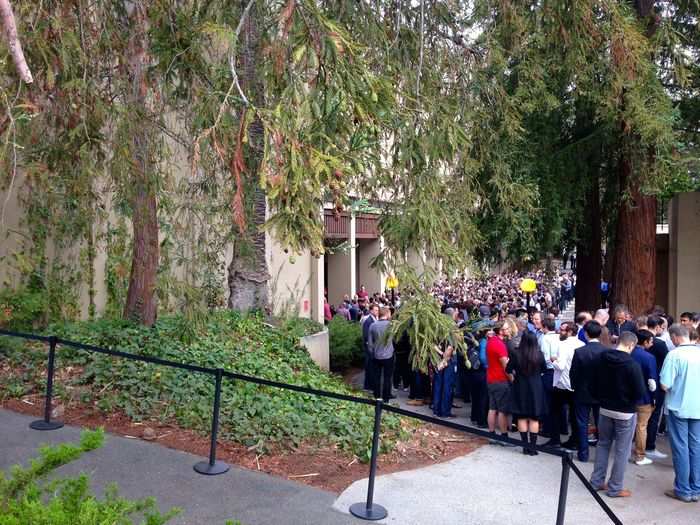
point(482, 353)
point(681, 376)
point(582, 335)
point(648, 364)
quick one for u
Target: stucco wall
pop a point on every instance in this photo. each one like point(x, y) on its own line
point(372, 279)
point(290, 280)
point(318, 348)
point(684, 253)
point(338, 276)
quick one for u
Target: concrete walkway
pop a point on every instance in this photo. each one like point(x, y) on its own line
point(496, 485)
point(146, 469)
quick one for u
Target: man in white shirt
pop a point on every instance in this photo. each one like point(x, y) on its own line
point(549, 346)
point(563, 394)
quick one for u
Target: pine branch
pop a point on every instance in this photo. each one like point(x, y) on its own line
point(8, 23)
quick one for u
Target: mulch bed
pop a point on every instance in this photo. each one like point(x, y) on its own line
point(322, 467)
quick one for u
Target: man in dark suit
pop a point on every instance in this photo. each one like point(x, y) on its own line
point(618, 323)
point(366, 324)
point(582, 373)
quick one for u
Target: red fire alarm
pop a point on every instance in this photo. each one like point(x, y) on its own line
point(306, 305)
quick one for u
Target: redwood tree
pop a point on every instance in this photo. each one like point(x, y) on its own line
point(141, 300)
point(634, 250)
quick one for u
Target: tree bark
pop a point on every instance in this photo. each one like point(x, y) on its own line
point(634, 264)
point(248, 275)
point(141, 301)
point(634, 258)
point(13, 43)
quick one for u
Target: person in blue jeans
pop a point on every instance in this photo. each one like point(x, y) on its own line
point(680, 378)
point(443, 385)
point(584, 367)
point(618, 384)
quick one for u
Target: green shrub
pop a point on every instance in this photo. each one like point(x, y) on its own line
point(22, 309)
point(345, 343)
point(69, 501)
point(253, 415)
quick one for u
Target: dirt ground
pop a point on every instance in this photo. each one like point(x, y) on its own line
point(322, 467)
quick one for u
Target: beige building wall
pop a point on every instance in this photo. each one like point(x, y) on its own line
point(684, 253)
point(373, 280)
point(338, 279)
point(290, 280)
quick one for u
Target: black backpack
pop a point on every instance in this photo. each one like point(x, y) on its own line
point(472, 352)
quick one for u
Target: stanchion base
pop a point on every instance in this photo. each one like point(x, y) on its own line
point(40, 424)
point(219, 467)
point(375, 512)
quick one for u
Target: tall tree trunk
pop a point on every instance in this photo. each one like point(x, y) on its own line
point(141, 300)
point(588, 251)
point(634, 263)
point(248, 275)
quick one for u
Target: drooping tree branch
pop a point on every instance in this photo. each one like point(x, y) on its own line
point(10, 28)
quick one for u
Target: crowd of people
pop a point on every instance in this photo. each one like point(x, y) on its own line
point(502, 293)
point(607, 379)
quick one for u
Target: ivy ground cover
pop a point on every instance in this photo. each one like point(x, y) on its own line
point(255, 416)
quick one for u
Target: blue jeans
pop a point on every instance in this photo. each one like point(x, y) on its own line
point(582, 411)
point(685, 450)
point(369, 372)
point(443, 389)
point(621, 431)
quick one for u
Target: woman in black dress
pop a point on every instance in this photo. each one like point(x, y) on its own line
point(528, 403)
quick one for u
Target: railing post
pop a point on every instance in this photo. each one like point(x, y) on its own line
point(46, 423)
point(213, 467)
point(563, 487)
point(369, 510)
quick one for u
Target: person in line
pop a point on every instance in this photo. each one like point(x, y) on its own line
point(584, 366)
point(563, 394)
point(498, 381)
point(686, 319)
point(659, 350)
point(602, 316)
point(619, 323)
point(680, 378)
point(477, 376)
point(371, 318)
point(445, 375)
point(549, 344)
point(618, 385)
point(382, 350)
point(402, 368)
point(581, 319)
point(645, 406)
point(527, 364)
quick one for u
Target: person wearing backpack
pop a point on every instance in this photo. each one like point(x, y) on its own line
point(476, 354)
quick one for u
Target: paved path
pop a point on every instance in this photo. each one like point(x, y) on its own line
point(496, 485)
point(146, 469)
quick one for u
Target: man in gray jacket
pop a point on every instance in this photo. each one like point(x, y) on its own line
point(381, 348)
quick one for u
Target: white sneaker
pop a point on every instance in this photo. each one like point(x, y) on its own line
point(655, 454)
point(643, 461)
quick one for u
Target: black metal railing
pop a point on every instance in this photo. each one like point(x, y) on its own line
point(367, 509)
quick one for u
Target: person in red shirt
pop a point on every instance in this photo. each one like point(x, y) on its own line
point(497, 380)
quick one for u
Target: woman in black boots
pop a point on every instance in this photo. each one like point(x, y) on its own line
point(528, 403)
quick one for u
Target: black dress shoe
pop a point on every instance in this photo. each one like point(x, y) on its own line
point(552, 443)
